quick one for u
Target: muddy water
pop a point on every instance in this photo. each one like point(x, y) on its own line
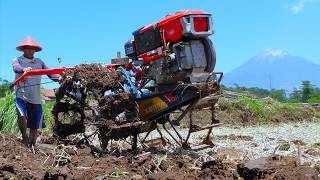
point(263, 141)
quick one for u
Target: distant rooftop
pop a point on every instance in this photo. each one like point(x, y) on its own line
point(119, 59)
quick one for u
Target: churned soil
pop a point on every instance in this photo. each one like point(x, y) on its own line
point(277, 167)
point(50, 161)
point(53, 161)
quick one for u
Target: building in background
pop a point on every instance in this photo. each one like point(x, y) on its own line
point(119, 59)
point(48, 95)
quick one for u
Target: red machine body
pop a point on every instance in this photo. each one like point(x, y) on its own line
point(175, 48)
point(172, 29)
point(172, 25)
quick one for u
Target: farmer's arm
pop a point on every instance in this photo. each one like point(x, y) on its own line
point(54, 77)
point(17, 68)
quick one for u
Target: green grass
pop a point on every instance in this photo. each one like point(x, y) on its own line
point(316, 145)
point(47, 108)
point(118, 173)
point(8, 115)
point(284, 147)
point(252, 106)
point(264, 111)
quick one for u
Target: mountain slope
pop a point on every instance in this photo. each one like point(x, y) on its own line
point(274, 69)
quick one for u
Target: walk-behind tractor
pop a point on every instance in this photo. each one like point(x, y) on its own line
point(170, 69)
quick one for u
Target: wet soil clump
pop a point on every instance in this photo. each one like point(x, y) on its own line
point(92, 94)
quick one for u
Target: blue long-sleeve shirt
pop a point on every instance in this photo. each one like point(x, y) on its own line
point(29, 89)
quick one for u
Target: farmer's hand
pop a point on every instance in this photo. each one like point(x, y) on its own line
point(60, 77)
point(27, 69)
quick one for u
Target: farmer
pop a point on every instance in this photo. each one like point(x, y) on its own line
point(27, 93)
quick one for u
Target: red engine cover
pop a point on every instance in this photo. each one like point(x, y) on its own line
point(171, 25)
point(173, 28)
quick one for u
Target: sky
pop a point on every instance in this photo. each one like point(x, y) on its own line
point(93, 31)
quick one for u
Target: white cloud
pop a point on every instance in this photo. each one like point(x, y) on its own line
point(274, 52)
point(300, 4)
point(297, 8)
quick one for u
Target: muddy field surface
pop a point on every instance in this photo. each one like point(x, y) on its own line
point(52, 161)
point(286, 152)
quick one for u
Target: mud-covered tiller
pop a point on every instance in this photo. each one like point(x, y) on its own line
point(171, 68)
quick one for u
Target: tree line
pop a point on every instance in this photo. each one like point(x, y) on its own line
point(306, 93)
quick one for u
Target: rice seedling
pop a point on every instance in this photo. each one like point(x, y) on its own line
point(8, 117)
